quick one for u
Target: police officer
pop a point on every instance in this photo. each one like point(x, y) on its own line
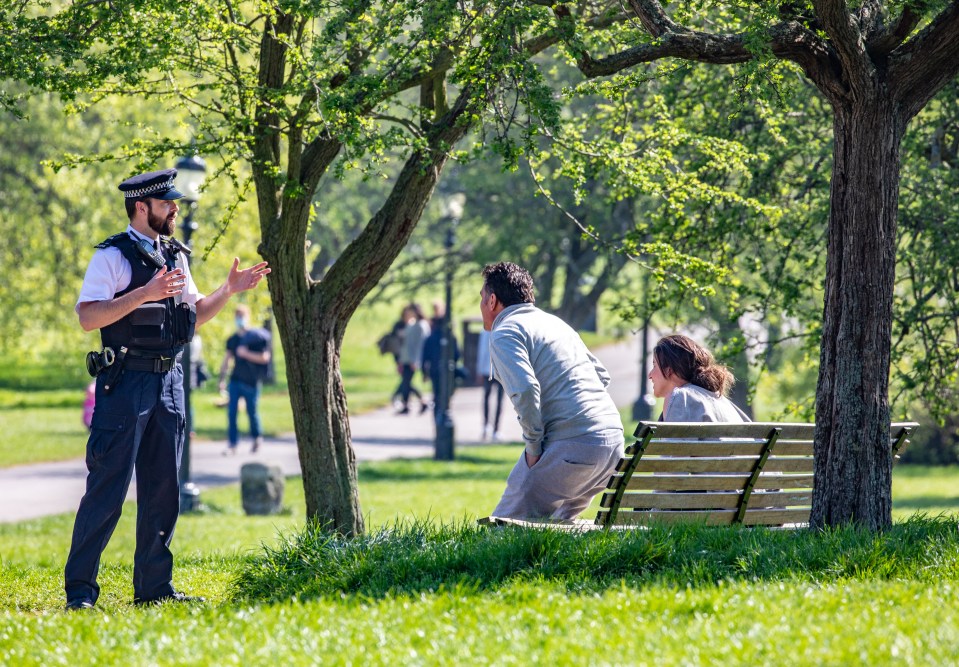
point(139, 292)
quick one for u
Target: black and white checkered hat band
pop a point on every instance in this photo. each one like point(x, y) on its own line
point(150, 189)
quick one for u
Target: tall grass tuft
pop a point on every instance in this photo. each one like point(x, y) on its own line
point(422, 556)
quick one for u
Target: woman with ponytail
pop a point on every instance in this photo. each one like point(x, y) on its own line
point(694, 388)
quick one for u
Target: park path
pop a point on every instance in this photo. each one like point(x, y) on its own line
point(32, 491)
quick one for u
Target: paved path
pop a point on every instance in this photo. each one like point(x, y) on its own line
point(32, 491)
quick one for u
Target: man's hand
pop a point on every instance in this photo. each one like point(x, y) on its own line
point(98, 314)
point(164, 284)
point(241, 280)
point(532, 460)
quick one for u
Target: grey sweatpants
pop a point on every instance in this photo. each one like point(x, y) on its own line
point(565, 479)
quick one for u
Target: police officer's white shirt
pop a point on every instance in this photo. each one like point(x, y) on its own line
point(109, 272)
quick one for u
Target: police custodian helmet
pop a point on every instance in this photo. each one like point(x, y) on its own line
point(155, 184)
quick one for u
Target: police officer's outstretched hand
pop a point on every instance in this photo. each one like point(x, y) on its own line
point(241, 280)
point(164, 284)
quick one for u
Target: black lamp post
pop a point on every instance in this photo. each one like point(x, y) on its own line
point(444, 419)
point(191, 171)
point(643, 407)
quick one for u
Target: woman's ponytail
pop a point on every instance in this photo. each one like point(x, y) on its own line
point(693, 363)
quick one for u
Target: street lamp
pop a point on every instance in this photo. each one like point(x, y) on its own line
point(191, 172)
point(453, 211)
point(643, 407)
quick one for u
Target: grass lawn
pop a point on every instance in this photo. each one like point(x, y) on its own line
point(419, 594)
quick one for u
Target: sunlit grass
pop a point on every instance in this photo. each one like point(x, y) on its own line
point(719, 596)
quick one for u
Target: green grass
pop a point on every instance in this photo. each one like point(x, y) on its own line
point(417, 592)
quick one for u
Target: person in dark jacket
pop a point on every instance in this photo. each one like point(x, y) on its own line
point(249, 351)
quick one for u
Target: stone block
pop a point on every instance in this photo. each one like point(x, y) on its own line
point(261, 488)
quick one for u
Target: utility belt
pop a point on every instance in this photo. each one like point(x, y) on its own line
point(153, 362)
point(113, 363)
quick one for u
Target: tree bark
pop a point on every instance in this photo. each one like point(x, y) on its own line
point(321, 422)
point(852, 453)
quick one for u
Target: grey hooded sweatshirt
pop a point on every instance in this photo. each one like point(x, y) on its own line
point(557, 386)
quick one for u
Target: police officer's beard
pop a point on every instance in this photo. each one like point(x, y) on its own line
point(160, 225)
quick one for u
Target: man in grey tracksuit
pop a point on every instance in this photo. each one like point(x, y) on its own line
point(572, 429)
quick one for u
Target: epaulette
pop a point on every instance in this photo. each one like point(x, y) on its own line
point(112, 241)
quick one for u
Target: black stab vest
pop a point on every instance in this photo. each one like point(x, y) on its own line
point(154, 326)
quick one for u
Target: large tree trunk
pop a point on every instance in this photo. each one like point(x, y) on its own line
point(313, 336)
point(852, 453)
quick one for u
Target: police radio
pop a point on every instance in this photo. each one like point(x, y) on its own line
point(151, 253)
point(179, 247)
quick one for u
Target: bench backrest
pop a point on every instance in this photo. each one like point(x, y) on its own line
point(718, 473)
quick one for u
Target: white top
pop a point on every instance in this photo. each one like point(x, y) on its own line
point(692, 403)
point(109, 272)
point(484, 365)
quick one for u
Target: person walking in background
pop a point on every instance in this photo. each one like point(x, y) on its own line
point(572, 429)
point(411, 356)
point(694, 388)
point(433, 368)
point(89, 403)
point(484, 370)
point(392, 343)
point(139, 293)
point(249, 351)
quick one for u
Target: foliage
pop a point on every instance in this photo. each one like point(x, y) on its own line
point(926, 339)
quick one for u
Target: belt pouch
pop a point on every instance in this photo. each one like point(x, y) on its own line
point(148, 326)
point(184, 324)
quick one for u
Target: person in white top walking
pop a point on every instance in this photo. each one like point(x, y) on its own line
point(484, 370)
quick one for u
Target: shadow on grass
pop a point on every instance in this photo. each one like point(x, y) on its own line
point(926, 503)
point(413, 558)
point(413, 470)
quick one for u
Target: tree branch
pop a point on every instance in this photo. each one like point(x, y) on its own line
point(367, 258)
point(927, 62)
point(848, 43)
point(787, 40)
point(882, 43)
point(654, 18)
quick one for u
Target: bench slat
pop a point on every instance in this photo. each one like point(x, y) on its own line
point(710, 518)
point(728, 482)
point(727, 429)
point(724, 448)
point(713, 464)
point(711, 500)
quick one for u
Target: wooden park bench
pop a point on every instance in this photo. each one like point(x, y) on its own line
point(755, 474)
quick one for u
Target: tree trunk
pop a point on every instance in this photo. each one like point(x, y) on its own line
point(322, 423)
point(853, 458)
point(729, 329)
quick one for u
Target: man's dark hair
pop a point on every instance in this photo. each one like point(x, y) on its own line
point(510, 283)
point(130, 204)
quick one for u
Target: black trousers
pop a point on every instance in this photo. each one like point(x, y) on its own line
point(139, 425)
point(406, 385)
point(488, 385)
